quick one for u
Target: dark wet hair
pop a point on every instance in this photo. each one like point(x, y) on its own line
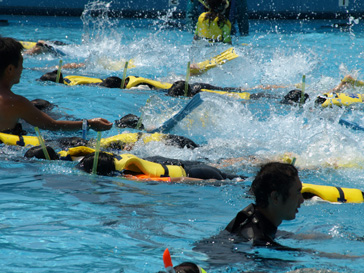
point(129, 121)
point(293, 97)
point(185, 267)
point(37, 152)
point(66, 142)
point(180, 141)
point(216, 9)
point(52, 77)
point(105, 163)
point(320, 100)
point(274, 176)
point(42, 105)
point(178, 89)
point(10, 53)
point(111, 82)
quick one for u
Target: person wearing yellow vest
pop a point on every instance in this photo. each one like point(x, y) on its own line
point(213, 25)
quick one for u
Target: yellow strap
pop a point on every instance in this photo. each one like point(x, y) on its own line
point(244, 95)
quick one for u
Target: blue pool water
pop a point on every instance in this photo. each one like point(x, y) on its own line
point(55, 218)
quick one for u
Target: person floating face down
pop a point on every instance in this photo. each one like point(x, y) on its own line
point(43, 47)
point(277, 191)
point(110, 82)
point(107, 165)
point(14, 107)
point(213, 25)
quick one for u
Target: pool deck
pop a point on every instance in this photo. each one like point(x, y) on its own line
point(257, 9)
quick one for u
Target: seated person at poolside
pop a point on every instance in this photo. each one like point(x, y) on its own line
point(14, 107)
point(43, 47)
point(213, 25)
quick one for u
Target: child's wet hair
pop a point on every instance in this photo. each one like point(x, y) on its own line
point(111, 82)
point(38, 152)
point(129, 121)
point(52, 77)
point(105, 163)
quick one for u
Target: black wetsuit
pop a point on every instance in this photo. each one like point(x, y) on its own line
point(251, 225)
point(195, 169)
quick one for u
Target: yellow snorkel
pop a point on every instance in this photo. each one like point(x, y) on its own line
point(59, 71)
point(41, 141)
point(187, 78)
point(124, 75)
point(97, 152)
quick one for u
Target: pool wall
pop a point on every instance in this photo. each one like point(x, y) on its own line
point(285, 9)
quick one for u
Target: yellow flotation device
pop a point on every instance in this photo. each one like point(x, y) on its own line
point(128, 138)
point(9, 139)
point(136, 81)
point(213, 30)
point(28, 45)
point(132, 163)
point(129, 162)
point(333, 194)
point(79, 80)
point(243, 95)
point(73, 153)
point(341, 99)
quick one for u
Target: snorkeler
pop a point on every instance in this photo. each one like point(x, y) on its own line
point(154, 167)
point(213, 25)
point(43, 47)
point(15, 107)
point(110, 82)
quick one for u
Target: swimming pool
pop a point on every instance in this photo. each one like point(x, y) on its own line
point(56, 219)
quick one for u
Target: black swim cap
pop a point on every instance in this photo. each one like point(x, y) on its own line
point(129, 121)
point(178, 89)
point(52, 77)
point(42, 104)
point(294, 96)
point(105, 163)
point(67, 142)
point(37, 152)
point(111, 82)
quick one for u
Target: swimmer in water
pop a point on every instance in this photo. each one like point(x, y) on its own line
point(43, 47)
point(194, 170)
point(15, 107)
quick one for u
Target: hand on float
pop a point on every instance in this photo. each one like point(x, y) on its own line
point(99, 124)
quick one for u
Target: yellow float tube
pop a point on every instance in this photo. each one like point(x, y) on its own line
point(9, 139)
point(333, 194)
point(133, 81)
point(129, 138)
point(80, 80)
point(341, 99)
point(129, 162)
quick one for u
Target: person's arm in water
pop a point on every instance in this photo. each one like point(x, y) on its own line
point(72, 65)
point(347, 82)
point(22, 108)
